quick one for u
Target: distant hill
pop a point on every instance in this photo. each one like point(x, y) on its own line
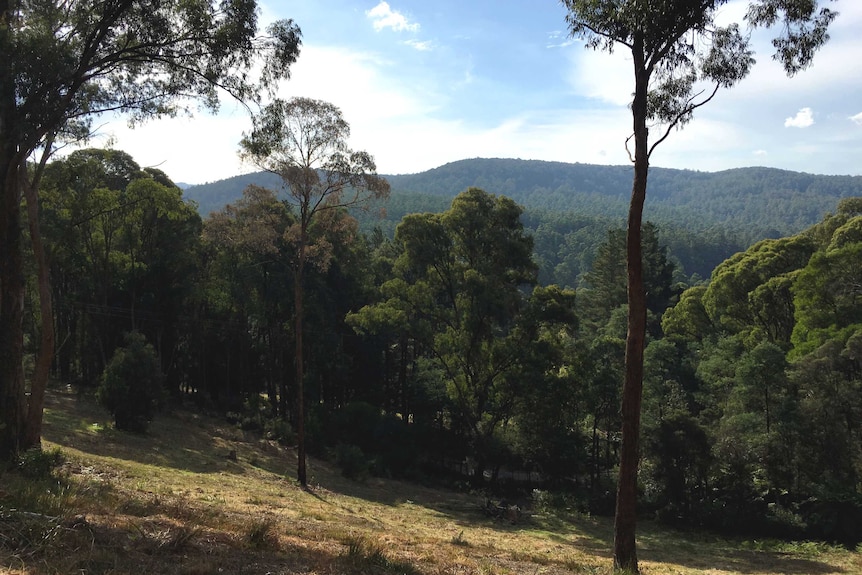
point(703, 217)
point(213, 196)
point(761, 201)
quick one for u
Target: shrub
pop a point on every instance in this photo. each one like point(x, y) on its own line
point(131, 386)
point(261, 534)
point(280, 431)
point(352, 461)
point(39, 464)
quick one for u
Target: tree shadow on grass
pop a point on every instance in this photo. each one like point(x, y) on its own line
point(182, 440)
point(707, 552)
point(191, 442)
point(160, 545)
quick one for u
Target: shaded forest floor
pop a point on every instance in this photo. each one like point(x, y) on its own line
point(175, 501)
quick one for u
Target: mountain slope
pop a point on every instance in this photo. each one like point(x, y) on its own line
point(762, 201)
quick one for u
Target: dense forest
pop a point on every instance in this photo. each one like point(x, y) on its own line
point(443, 351)
point(703, 218)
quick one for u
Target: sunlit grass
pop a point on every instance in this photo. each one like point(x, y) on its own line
point(171, 501)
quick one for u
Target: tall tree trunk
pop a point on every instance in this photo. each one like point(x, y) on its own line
point(300, 394)
point(625, 518)
point(402, 378)
point(33, 428)
point(12, 397)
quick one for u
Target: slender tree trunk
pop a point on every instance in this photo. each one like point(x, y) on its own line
point(12, 397)
point(625, 519)
point(594, 472)
point(300, 395)
point(402, 378)
point(33, 429)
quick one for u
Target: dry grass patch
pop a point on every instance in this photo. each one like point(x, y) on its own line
point(173, 502)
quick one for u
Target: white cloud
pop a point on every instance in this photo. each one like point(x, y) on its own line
point(422, 46)
point(857, 118)
point(803, 119)
point(384, 16)
point(760, 153)
point(558, 39)
point(601, 76)
point(323, 72)
point(192, 150)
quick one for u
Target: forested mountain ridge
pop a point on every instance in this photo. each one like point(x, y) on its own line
point(762, 201)
point(703, 217)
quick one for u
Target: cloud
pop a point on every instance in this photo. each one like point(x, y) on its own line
point(803, 119)
point(600, 76)
point(422, 46)
point(192, 150)
point(384, 16)
point(857, 119)
point(558, 39)
point(760, 153)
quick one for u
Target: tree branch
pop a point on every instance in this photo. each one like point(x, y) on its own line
point(688, 110)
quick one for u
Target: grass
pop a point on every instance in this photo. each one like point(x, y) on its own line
point(172, 502)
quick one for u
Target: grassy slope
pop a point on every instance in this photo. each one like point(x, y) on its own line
point(173, 502)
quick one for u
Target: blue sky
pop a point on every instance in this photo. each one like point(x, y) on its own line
point(425, 83)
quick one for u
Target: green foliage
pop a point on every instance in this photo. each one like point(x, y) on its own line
point(131, 386)
point(775, 345)
point(115, 233)
point(703, 218)
point(280, 430)
point(352, 461)
point(190, 49)
point(680, 459)
point(67, 63)
point(606, 281)
point(827, 295)
point(688, 318)
point(727, 300)
point(38, 464)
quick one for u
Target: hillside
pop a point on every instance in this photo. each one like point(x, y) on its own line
point(764, 202)
point(703, 217)
point(173, 501)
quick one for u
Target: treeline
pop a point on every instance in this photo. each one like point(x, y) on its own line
point(442, 345)
point(762, 202)
point(703, 217)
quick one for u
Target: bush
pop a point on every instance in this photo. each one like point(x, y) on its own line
point(38, 464)
point(352, 461)
point(131, 386)
point(280, 431)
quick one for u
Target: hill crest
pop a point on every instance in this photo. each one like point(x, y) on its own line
point(761, 201)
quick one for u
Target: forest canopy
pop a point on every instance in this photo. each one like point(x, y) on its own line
point(438, 351)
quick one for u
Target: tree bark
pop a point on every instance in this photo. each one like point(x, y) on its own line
point(33, 428)
point(301, 473)
point(12, 397)
point(625, 518)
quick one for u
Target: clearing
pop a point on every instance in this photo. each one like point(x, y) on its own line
point(197, 496)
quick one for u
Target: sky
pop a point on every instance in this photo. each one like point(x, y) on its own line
point(426, 83)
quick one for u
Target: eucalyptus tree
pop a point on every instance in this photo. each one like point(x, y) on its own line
point(249, 275)
point(304, 142)
point(65, 62)
point(123, 250)
point(680, 58)
point(459, 291)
